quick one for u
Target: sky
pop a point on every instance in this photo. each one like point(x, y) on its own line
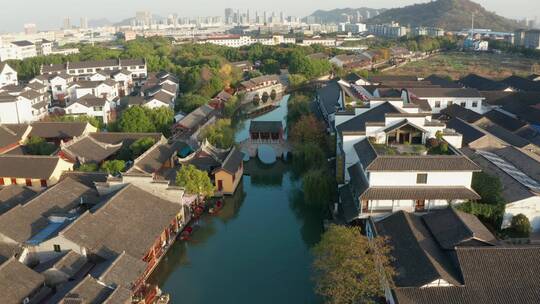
point(49, 14)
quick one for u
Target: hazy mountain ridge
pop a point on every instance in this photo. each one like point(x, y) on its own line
point(447, 14)
point(337, 15)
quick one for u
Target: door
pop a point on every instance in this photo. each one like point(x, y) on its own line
point(365, 206)
point(420, 206)
point(220, 185)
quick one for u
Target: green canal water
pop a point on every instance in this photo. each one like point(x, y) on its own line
point(255, 250)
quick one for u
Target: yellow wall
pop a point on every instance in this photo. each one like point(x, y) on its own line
point(53, 179)
point(229, 186)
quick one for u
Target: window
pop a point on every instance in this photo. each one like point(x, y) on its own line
point(13, 181)
point(89, 70)
point(57, 248)
point(437, 104)
point(28, 182)
point(81, 71)
point(475, 104)
point(141, 67)
point(421, 178)
point(98, 109)
point(463, 104)
point(58, 88)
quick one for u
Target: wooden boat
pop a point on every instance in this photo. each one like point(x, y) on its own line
point(216, 208)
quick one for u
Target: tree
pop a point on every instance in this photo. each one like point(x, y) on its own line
point(135, 119)
point(349, 267)
point(162, 118)
point(113, 167)
point(308, 129)
point(220, 134)
point(79, 118)
point(141, 145)
point(318, 187)
point(297, 80)
point(88, 167)
point(38, 146)
point(231, 106)
point(271, 66)
point(194, 181)
point(189, 102)
point(520, 226)
point(488, 187)
point(307, 155)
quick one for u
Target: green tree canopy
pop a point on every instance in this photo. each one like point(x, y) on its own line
point(318, 187)
point(488, 187)
point(38, 146)
point(113, 167)
point(194, 181)
point(141, 145)
point(298, 106)
point(189, 102)
point(220, 134)
point(308, 129)
point(520, 226)
point(349, 267)
point(135, 119)
point(89, 167)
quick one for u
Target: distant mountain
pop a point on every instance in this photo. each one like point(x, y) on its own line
point(447, 14)
point(341, 14)
point(129, 20)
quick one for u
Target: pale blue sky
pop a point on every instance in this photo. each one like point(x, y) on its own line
point(50, 13)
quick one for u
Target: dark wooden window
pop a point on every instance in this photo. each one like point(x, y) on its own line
point(29, 182)
point(57, 248)
point(13, 181)
point(421, 178)
point(1, 181)
point(43, 183)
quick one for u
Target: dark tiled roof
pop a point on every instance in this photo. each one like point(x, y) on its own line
point(86, 178)
point(385, 78)
point(93, 64)
point(470, 133)
point(8, 136)
point(18, 281)
point(153, 159)
point(451, 228)
point(265, 126)
point(13, 195)
point(418, 193)
point(377, 114)
point(348, 208)
point(522, 84)
point(482, 83)
point(441, 81)
point(70, 263)
point(60, 130)
point(457, 111)
point(418, 258)
point(124, 271)
point(423, 163)
point(445, 92)
point(197, 117)
point(24, 221)
point(503, 134)
point(26, 166)
point(30, 94)
point(329, 96)
point(365, 152)
point(89, 290)
point(492, 275)
point(87, 150)
point(116, 226)
point(233, 160)
point(91, 101)
point(508, 122)
point(125, 138)
point(22, 43)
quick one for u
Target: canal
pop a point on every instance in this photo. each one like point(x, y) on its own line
point(255, 250)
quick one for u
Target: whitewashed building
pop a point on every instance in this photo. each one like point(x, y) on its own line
point(17, 50)
point(91, 106)
point(8, 76)
point(440, 98)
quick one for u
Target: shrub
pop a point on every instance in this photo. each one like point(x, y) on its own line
point(488, 187)
point(520, 226)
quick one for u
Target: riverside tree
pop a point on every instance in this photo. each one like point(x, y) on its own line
point(195, 181)
point(348, 266)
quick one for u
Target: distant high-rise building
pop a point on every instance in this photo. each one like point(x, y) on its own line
point(143, 18)
point(84, 22)
point(30, 28)
point(229, 15)
point(281, 18)
point(265, 17)
point(67, 23)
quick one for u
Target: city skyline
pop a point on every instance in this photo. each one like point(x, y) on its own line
point(45, 18)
